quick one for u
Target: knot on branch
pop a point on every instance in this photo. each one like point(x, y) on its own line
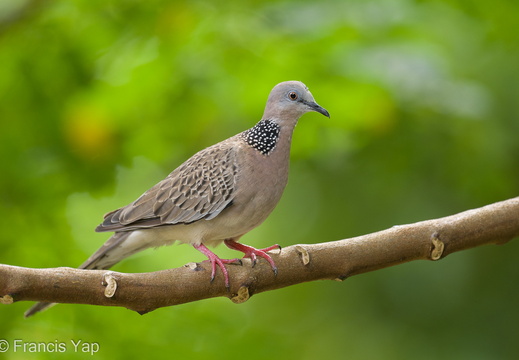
point(242, 295)
point(110, 282)
point(6, 299)
point(437, 246)
point(304, 255)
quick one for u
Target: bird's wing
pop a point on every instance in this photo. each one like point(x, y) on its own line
point(198, 189)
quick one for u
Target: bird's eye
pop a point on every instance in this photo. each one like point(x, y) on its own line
point(292, 95)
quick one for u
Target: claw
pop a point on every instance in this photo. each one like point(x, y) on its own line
point(215, 260)
point(253, 258)
point(249, 252)
point(253, 253)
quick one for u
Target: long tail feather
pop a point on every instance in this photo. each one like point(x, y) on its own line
point(102, 259)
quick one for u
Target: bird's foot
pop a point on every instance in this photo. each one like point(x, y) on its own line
point(253, 253)
point(215, 260)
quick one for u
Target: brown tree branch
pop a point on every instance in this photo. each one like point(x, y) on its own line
point(144, 292)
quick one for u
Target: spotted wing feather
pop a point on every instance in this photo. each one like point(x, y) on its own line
point(200, 188)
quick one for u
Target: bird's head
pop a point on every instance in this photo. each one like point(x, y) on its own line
point(289, 100)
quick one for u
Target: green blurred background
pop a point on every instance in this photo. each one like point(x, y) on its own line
point(99, 100)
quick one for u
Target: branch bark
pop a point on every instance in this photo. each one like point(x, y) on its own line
point(143, 292)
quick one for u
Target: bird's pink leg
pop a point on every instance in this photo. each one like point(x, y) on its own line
point(253, 253)
point(215, 260)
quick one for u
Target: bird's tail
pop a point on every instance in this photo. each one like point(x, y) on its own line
point(104, 258)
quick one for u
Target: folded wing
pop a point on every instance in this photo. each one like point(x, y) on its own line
point(200, 188)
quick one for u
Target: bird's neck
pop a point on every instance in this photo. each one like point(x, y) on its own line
point(264, 136)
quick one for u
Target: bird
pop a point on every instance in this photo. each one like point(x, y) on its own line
point(218, 195)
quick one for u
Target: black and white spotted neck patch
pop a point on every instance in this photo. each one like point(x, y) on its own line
point(263, 136)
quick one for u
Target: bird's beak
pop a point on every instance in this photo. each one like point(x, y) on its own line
point(316, 107)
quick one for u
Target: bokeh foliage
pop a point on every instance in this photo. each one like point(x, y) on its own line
point(101, 99)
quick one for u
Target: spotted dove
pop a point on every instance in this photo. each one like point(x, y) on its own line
point(219, 194)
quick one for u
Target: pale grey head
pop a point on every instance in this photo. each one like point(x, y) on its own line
point(288, 101)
